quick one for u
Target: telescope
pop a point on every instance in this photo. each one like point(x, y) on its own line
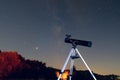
point(76, 42)
point(74, 54)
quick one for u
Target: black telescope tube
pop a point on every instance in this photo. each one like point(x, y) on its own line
point(78, 42)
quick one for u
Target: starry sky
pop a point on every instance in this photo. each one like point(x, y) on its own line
point(36, 29)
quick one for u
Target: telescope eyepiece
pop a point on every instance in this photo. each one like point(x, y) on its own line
point(68, 36)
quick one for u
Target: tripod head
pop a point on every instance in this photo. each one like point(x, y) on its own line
point(76, 42)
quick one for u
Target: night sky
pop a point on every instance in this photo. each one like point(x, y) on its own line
point(36, 29)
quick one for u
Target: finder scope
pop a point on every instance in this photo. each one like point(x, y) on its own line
point(76, 42)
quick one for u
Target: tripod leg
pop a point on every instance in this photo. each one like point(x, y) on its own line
point(85, 64)
point(65, 64)
point(71, 68)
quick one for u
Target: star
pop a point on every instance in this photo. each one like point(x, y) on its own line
point(36, 47)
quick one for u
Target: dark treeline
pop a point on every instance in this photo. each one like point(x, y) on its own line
point(13, 66)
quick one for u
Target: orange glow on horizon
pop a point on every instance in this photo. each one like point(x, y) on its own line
point(64, 75)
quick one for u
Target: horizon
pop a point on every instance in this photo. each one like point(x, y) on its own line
point(36, 30)
point(15, 53)
point(53, 66)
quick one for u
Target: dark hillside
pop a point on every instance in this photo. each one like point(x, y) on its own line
point(14, 66)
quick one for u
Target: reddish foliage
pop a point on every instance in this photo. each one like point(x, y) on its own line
point(8, 62)
point(12, 64)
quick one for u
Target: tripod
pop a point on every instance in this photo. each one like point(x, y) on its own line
point(74, 54)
